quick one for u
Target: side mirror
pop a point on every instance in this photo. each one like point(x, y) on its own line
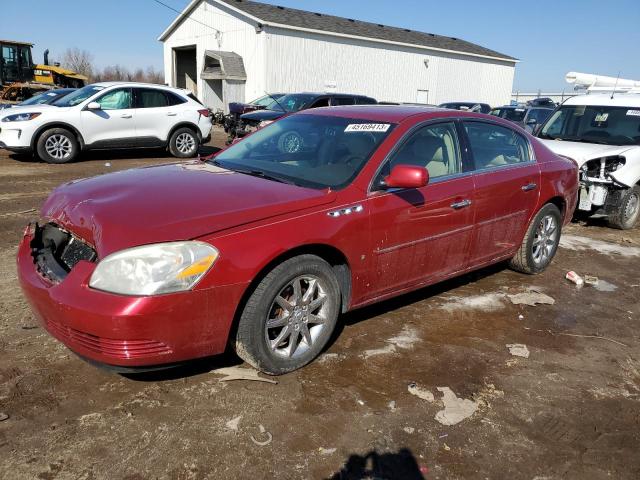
point(93, 106)
point(407, 176)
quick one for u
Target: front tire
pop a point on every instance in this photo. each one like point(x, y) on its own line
point(628, 212)
point(57, 145)
point(184, 143)
point(540, 242)
point(290, 316)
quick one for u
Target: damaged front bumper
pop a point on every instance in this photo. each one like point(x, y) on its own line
point(600, 189)
point(118, 330)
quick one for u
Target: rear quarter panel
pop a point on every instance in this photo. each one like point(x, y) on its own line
point(559, 178)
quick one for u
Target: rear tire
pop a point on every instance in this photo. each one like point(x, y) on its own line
point(184, 143)
point(540, 243)
point(626, 217)
point(290, 316)
point(57, 145)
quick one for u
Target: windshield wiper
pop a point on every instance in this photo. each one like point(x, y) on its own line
point(262, 174)
point(254, 173)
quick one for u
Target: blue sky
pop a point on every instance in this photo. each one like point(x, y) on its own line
point(549, 37)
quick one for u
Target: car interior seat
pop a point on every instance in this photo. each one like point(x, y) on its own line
point(430, 152)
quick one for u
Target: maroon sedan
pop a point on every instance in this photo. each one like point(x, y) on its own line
point(263, 246)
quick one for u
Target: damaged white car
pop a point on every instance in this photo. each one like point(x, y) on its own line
point(602, 133)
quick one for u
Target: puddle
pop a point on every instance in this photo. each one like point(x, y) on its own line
point(604, 286)
point(488, 302)
point(575, 242)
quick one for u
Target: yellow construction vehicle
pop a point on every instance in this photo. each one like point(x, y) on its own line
point(20, 79)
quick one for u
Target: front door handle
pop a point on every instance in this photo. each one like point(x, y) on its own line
point(461, 204)
point(529, 187)
point(126, 115)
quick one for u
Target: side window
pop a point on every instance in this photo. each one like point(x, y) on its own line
point(323, 102)
point(115, 99)
point(434, 147)
point(151, 98)
point(495, 146)
point(343, 101)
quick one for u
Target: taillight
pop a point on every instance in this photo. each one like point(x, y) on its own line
point(204, 112)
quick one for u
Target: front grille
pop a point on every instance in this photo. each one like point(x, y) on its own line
point(124, 349)
point(55, 251)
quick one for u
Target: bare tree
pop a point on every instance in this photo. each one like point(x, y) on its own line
point(114, 73)
point(154, 76)
point(79, 61)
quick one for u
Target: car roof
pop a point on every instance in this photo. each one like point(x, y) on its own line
point(604, 99)
point(137, 84)
point(388, 113)
point(330, 94)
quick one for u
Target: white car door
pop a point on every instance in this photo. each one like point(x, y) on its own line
point(156, 114)
point(113, 125)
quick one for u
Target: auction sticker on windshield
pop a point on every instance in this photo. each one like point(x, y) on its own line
point(367, 127)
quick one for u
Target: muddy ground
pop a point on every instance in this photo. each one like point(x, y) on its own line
point(569, 410)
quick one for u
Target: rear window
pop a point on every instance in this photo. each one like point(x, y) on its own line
point(195, 99)
point(174, 99)
point(365, 101)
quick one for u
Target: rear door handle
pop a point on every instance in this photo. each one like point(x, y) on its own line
point(461, 204)
point(529, 187)
point(126, 115)
point(171, 114)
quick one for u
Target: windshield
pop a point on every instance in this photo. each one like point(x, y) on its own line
point(539, 114)
point(266, 100)
point(313, 151)
point(512, 114)
point(291, 103)
point(45, 97)
point(594, 124)
point(78, 96)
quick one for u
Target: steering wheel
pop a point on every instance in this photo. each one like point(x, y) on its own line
point(290, 142)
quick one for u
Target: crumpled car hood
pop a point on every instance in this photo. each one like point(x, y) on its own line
point(583, 152)
point(172, 202)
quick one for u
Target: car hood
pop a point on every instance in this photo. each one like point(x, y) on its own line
point(17, 108)
point(171, 202)
point(261, 115)
point(583, 152)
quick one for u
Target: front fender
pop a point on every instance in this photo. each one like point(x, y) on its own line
point(629, 174)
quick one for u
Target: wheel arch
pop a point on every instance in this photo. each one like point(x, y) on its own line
point(66, 126)
point(183, 124)
point(560, 202)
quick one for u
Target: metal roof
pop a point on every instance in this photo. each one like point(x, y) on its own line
point(13, 42)
point(292, 18)
point(226, 65)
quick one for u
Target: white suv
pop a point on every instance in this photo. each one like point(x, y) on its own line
point(602, 133)
point(105, 116)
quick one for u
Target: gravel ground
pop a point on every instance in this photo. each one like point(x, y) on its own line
point(377, 404)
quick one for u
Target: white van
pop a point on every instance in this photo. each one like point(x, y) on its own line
point(602, 133)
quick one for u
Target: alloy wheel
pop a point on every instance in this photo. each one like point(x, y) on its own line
point(185, 143)
point(58, 147)
point(297, 316)
point(545, 239)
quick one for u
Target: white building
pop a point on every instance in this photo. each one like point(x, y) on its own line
point(236, 50)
